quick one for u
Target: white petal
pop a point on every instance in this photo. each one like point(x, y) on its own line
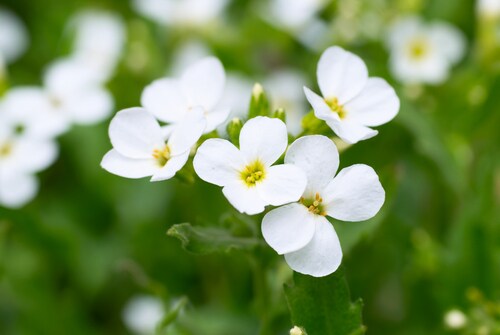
point(449, 40)
point(354, 195)
point(90, 105)
point(375, 105)
point(402, 30)
point(288, 228)
point(432, 69)
point(174, 164)
point(218, 162)
point(282, 184)
point(204, 82)
point(245, 199)
point(215, 118)
point(135, 133)
point(14, 38)
point(318, 157)
point(341, 74)
point(17, 190)
point(126, 167)
point(351, 131)
point(263, 138)
point(187, 132)
point(165, 99)
point(320, 257)
point(32, 155)
point(321, 109)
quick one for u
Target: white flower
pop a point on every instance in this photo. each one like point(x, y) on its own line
point(284, 89)
point(13, 36)
point(455, 319)
point(187, 54)
point(352, 102)
point(142, 314)
point(29, 110)
point(488, 8)
point(181, 13)
point(20, 157)
point(99, 41)
point(247, 176)
point(139, 147)
point(424, 53)
point(200, 86)
point(293, 14)
point(300, 230)
point(75, 92)
point(17, 189)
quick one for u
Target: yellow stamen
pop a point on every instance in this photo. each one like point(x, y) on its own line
point(162, 156)
point(253, 173)
point(334, 105)
point(5, 149)
point(315, 205)
point(418, 48)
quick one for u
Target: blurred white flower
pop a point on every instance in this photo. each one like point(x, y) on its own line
point(455, 319)
point(237, 94)
point(247, 176)
point(201, 85)
point(75, 93)
point(296, 331)
point(139, 146)
point(352, 102)
point(181, 13)
point(423, 52)
point(99, 41)
point(20, 157)
point(488, 7)
point(285, 90)
point(17, 189)
point(187, 54)
point(29, 110)
point(300, 230)
point(142, 314)
point(13, 36)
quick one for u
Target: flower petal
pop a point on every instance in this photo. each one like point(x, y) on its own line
point(351, 131)
point(165, 99)
point(341, 74)
point(32, 155)
point(89, 105)
point(449, 40)
point(174, 164)
point(263, 138)
point(245, 199)
point(203, 82)
point(135, 133)
point(375, 105)
point(187, 132)
point(215, 118)
point(122, 166)
point(318, 157)
point(282, 184)
point(18, 189)
point(320, 257)
point(218, 162)
point(354, 195)
point(288, 228)
point(321, 109)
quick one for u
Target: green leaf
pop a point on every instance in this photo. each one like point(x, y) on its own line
point(322, 306)
point(206, 240)
point(171, 315)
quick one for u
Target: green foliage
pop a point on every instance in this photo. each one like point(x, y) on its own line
point(322, 306)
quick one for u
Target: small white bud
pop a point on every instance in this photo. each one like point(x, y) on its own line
point(257, 90)
point(297, 331)
point(455, 319)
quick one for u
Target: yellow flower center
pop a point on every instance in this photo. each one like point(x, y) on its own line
point(335, 107)
point(314, 205)
point(5, 149)
point(162, 155)
point(253, 173)
point(418, 48)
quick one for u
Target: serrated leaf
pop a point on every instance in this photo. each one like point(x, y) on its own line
point(322, 306)
point(206, 240)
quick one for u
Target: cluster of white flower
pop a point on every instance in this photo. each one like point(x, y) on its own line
point(423, 52)
point(73, 92)
point(305, 186)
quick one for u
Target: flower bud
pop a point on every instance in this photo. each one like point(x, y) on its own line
point(280, 114)
point(297, 331)
point(233, 130)
point(259, 104)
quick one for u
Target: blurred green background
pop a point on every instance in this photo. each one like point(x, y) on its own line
point(72, 258)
